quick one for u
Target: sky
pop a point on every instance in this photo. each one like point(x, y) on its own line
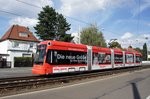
point(128, 21)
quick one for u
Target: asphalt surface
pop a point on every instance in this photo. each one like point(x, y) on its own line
point(133, 85)
point(24, 71)
point(15, 72)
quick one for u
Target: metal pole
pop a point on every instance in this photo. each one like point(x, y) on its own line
point(147, 46)
point(79, 35)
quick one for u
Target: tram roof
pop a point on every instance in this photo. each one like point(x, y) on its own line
point(101, 49)
point(64, 44)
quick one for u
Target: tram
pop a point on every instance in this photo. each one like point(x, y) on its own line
point(62, 57)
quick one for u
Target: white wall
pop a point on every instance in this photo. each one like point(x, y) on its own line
point(24, 47)
point(16, 54)
point(148, 56)
point(4, 47)
point(76, 38)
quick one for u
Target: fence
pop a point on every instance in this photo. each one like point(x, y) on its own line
point(5, 64)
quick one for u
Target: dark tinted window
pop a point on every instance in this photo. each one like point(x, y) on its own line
point(58, 57)
point(138, 59)
point(40, 53)
point(101, 58)
point(129, 58)
point(118, 58)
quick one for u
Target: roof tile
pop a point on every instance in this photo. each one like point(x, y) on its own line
point(13, 33)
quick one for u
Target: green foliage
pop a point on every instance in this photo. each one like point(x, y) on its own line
point(66, 38)
point(130, 46)
point(23, 61)
point(92, 36)
point(115, 44)
point(144, 52)
point(52, 25)
point(138, 49)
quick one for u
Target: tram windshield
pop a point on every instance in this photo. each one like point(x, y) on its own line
point(40, 53)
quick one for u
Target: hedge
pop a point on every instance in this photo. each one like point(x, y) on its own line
point(23, 61)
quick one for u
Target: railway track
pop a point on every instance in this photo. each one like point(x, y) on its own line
point(23, 84)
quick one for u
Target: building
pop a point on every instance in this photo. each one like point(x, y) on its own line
point(148, 55)
point(18, 41)
point(76, 38)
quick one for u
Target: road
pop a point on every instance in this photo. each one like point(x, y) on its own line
point(133, 85)
point(27, 71)
point(15, 72)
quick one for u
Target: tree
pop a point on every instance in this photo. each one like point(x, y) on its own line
point(92, 36)
point(144, 52)
point(115, 44)
point(130, 46)
point(138, 49)
point(52, 25)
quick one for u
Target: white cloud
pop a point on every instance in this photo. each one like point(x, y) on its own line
point(29, 22)
point(25, 10)
point(26, 13)
point(127, 35)
point(71, 7)
point(134, 40)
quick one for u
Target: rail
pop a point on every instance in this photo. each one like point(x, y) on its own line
point(23, 84)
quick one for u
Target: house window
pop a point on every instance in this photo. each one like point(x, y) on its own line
point(23, 34)
point(26, 55)
point(31, 45)
point(15, 44)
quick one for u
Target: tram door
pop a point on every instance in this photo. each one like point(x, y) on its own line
point(89, 57)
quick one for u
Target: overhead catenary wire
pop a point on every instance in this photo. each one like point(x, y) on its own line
point(81, 21)
point(138, 20)
point(78, 20)
point(72, 18)
point(29, 4)
point(11, 13)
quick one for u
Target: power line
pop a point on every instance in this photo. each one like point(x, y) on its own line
point(29, 4)
point(138, 21)
point(64, 15)
point(78, 20)
point(112, 32)
point(75, 19)
point(41, 8)
point(3, 11)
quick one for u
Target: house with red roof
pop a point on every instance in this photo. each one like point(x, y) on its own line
point(18, 41)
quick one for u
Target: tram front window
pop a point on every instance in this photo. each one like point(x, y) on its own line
point(40, 53)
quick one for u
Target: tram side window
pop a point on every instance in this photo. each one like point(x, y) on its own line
point(59, 57)
point(118, 58)
point(101, 58)
point(48, 57)
point(95, 58)
point(106, 58)
point(138, 59)
point(129, 58)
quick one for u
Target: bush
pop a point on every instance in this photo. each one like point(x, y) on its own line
point(23, 61)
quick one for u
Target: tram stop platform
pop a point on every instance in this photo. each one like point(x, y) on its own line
point(15, 72)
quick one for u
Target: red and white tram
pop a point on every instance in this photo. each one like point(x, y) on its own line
point(61, 57)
